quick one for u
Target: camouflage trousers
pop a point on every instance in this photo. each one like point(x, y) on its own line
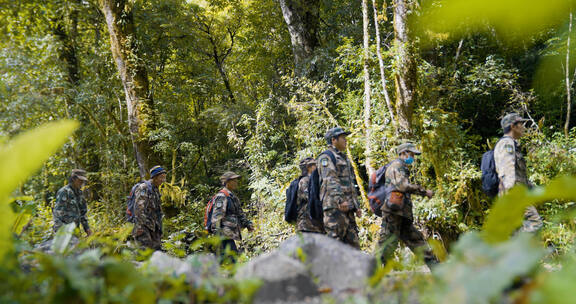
point(341, 226)
point(398, 228)
point(148, 238)
point(532, 221)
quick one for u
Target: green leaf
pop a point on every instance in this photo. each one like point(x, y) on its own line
point(557, 287)
point(477, 272)
point(508, 211)
point(22, 156)
point(62, 238)
point(21, 221)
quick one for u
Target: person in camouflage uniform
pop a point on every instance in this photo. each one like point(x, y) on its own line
point(228, 219)
point(399, 225)
point(511, 166)
point(148, 210)
point(70, 206)
point(304, 223)
point(337, 190)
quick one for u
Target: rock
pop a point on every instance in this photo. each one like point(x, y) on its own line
point(338, 266)
point(196, 268)
point(283, 279)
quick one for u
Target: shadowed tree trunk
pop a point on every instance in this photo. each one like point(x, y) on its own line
point(123, 43)
point(405, 74)
point(381, 65)
point(302, 18)
point(65, 29)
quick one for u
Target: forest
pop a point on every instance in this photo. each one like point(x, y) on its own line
point(202, 87)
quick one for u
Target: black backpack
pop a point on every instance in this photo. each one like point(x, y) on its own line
point(315, 210)
point(490, 180)
point(291, 209)
point(378, 193)
point(130, 216)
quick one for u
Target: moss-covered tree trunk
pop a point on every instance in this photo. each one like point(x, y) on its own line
point(303, 19)
point(123, 43)
point(367, 90)
point(406, 73)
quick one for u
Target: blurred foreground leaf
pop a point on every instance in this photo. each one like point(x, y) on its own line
point(63, 237)
point(477, 272)
point(508, 211)
point(510, 18)
point(21, 157)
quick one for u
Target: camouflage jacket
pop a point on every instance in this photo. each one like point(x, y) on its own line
point(304, 222)
point(70, 207)
point(398, 176)
point(510, 164)
point(147, 209)
point(337, 181)
point(227, 216)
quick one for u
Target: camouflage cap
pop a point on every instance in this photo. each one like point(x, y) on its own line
point(335, 132)
point(510, 119)
point(407, 147)
point(307, 162)
point(229, 175)
point(79, 174)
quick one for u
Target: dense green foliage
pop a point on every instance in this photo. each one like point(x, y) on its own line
point(226, 97)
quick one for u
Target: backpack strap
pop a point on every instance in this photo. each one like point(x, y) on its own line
point(331, 155)
point(227, 195)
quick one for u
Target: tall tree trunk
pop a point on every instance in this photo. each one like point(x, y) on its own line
point(567, 79)
point(303, 19)
point(405, 74)
point(226, 81)
point(120, 22)
point(381, 65)
point(367, 90)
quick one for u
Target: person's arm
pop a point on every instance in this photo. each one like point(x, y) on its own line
point(83, 219)
point(400, 178)
point(302, 190)
point(60, 211)
point(244, 221)
point(505, 162)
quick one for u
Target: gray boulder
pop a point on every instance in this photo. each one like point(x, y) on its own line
point(196, 268)
point(337, 266)
point(283, 279)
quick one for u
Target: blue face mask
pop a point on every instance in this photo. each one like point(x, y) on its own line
point(409, 160)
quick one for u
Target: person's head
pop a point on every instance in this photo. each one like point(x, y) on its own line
point(77, 178)
point(336, 137)
point(513, 125)
point(307, 166)
point(157, 175)
point(406, 152)
point(230, 180)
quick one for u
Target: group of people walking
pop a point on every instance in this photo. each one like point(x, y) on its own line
point(338, 196)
